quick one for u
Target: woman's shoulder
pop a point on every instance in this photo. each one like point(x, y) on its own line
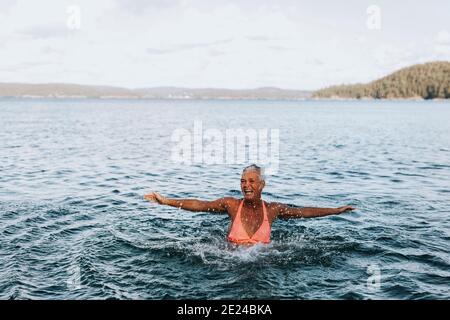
point(232, 205)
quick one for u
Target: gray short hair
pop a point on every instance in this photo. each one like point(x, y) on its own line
point(256, 168)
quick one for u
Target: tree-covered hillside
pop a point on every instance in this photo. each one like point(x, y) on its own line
point(428, 81)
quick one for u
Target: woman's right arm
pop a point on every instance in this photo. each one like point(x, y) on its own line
point(216, 206)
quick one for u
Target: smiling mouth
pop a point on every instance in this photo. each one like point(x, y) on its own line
point(248, 192)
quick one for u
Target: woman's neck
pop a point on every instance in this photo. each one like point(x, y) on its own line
point(252, 203)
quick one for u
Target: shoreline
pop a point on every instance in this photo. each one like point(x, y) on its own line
point(106, 98)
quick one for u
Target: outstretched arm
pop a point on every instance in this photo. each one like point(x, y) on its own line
point(285, 211)
point(216, 206)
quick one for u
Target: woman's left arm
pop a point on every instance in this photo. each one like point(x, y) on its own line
point(285, 211)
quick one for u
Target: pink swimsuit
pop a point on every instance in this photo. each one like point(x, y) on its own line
point(238, 234)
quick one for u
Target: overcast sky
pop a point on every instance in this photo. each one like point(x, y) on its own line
point(208, 43)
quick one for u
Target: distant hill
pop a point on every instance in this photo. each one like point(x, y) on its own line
point(212, 93)
point(423, 81)
point(62, 90)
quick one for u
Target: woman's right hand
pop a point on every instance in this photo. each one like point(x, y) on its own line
point(155, 197)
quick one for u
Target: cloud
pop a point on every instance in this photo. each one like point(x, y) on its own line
point(389, 57)
point(258, 38)
point(54, 30)
point(186, 46)
point(442, 45)
point(50, 50)
point(443, 37)
point(280, 48)
point(216, 53)
point(141, 7)
point(23, 66)
point(6, 5)
point(318, 62)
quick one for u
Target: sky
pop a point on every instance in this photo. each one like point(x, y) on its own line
point(236, 44)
